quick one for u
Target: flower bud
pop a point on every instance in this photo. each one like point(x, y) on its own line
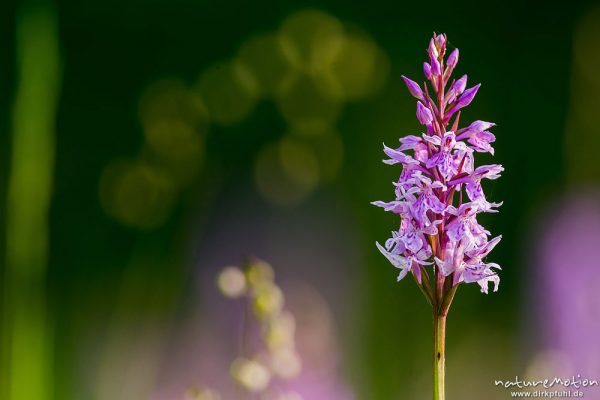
point(285, 363)
point(424, 114)
point(467, 96)
point(440, 41)
point(427, 70)
point(232, 282)
point(459, 85)
point(280, 331)
point(436, 69)
point(463, 101)
point(250, 374)
point(268, 301)
point(259, 273)
point(413, 88)
point(453, 59)
point(450, 96)
point(432, 50)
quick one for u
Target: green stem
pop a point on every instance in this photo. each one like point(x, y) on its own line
point(439, 355)
point(425, 288)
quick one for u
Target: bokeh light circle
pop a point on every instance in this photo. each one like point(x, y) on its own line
point(360, 68)
point(263, 57)
point(136, 194)
point(286, 173)
point(587, 45)
point(311, 40)
point(327, 145)
point(307, 102)
point(172, 100)
point(177, 147)
point(229, 92)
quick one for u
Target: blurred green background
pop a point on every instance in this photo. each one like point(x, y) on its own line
point(147, 144)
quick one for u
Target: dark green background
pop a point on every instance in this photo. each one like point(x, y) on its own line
point(111, 51)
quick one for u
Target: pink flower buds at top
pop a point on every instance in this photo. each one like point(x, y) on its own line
point(413, 88)
point(427, 70)
point(460, 85)
point(468, 96)
point(436, 69)
point(440, 41)
point(451, 96)
point(464, 100)
point(452, 59)
point(424, 114)
point(432, 50)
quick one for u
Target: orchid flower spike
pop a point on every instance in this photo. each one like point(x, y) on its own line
point(438, 178)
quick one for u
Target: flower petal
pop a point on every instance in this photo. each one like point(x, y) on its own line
point(396, 260)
